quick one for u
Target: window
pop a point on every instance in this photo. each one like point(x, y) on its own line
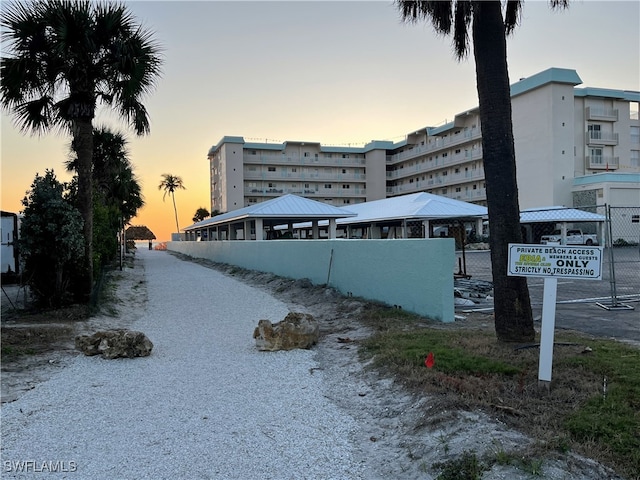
point(346, 185)
point(306, 185)
point(272, 185)
point(271, 169)
point(594, 131)
point(327, 185)
point(294, 169)
point(457, 170)
point(458, 189)
point(344, 170)
point(445, 173)
point(444, 190)
point(252, 168)
point(253, 200)
point(252, 184)
point(345, 155)
point(346, 200)
point(307, 154)
point(635, 158)
point(252, 152)
point(445, 154)
point(475, 186)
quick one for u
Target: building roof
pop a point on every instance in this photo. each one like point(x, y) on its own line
point(415, 206)
point(550, 75)
point(558, 214)
point(287, 208)
point(609, 177)
point(140, 232)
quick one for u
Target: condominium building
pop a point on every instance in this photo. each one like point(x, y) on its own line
point(574, 147)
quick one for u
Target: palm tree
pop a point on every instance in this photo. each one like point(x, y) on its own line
point(200, 214)
point(512, 306)
point(117, 194)
point(66, 56)
point(171, 183)
point(113, 177)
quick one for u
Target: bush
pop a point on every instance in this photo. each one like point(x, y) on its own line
point(51, 241)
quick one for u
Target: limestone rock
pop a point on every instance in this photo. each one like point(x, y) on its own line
point(115, 344)
point(297, 330)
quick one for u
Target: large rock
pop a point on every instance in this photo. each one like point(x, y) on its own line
point(115, 344)
point(297, 330)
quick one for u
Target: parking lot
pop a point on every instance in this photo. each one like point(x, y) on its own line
point(577, 300)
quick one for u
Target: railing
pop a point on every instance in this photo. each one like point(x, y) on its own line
point(470, 195)
point(602, 114)
point(600, 162)
point(430, 166)
point(301, 176)
point(306, 192)
point(291, 160)
point(438, 144)
point(601, 138)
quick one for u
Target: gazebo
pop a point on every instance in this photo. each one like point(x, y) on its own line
point(258, 222)
point(140, 232)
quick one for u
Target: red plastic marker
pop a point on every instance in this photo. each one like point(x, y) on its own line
point(429, 361)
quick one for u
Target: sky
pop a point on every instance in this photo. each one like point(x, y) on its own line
point(338, 73)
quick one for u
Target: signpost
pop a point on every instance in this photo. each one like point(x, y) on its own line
point(552, 262)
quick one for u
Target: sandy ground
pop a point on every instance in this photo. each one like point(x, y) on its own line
point(402, 435)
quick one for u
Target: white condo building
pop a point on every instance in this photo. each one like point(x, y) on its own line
point(574, 147)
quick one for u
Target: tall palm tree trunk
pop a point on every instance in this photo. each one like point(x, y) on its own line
point(512, 306)
point(175, 210)
point(83, 138)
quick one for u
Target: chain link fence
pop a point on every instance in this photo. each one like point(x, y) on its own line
point(617, 229)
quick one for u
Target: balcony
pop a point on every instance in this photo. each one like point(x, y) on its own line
point(440, 143)
point(599, 162)
point(595, 137)
point(306, 192)
point(300, 176)
point(320, 161)
point(602, 114)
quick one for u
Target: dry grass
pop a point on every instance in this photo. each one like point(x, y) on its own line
point(472, 370)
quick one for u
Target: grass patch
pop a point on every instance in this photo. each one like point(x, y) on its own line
point(10, 351)
point(466, 467)
point(472, 370)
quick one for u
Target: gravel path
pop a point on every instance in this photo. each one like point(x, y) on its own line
point(205, 404)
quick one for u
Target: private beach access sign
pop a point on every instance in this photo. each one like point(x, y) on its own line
point(578, 262)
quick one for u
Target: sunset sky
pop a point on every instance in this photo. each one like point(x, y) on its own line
point(330, 72)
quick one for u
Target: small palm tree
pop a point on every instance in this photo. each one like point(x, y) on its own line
point(65, 57)
point(200, 214)
point(170, 183)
